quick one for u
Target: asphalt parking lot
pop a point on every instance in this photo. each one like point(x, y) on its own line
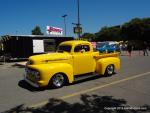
point(128, 87)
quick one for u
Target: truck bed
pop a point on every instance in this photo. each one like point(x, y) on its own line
point(104, 55)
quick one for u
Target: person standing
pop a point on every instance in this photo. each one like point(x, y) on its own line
point(145, 48)
point(129, 48)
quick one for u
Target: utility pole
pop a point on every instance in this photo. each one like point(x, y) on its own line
point(64, 16)
point(78, 29)
point(78, 24)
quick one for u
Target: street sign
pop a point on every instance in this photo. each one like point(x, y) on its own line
point(77, 30)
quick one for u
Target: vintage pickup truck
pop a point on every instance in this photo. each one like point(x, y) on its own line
point(72, 58)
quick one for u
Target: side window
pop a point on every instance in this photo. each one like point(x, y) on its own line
point(86, 48)
point(82, 48)
point(78, 48)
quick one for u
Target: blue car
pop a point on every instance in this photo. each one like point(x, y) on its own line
point(105, 47)
point(113, 48)
point(102, 47)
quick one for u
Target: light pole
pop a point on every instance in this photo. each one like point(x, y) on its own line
point(64, 16)
point(78, 24)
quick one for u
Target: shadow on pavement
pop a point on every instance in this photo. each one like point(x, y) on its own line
point(1, 64)
point(23, 84)
point(87, 79)
point(89, 104)
point(93, 78)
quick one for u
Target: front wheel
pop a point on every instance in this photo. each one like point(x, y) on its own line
point(58, 80)
point(109, 70)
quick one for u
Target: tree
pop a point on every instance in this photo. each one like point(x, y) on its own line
point(88, 36)
point(136, 29)
point(102, 34)
point(109, 34)
point(146, 34)
point(37, 31)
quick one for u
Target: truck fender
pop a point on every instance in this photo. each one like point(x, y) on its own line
point(63, 68)
point(102, 64)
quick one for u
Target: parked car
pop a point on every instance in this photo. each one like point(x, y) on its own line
point(106, 47)
point(113, 48)
point(102, 47)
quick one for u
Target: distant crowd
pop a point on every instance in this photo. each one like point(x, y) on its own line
point(129, 47)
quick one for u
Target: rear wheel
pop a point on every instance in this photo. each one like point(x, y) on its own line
point(109, 70)
point(58, 80)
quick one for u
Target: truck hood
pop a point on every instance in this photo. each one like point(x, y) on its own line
point(48, 58)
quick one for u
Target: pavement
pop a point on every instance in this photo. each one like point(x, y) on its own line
point(130, 86)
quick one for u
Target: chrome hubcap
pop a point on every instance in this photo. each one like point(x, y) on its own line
point(58, 80)
point(110, 69)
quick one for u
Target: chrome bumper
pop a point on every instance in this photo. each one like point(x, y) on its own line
point(30, 82)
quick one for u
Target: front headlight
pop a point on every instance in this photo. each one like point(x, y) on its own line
point(37, 75)
point(33, 73)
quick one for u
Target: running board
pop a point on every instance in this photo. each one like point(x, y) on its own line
point(85, 76)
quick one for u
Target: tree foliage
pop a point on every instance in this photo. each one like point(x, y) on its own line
point(135, 29)
point(37, 31)
point(109, 33)
point(88, 36)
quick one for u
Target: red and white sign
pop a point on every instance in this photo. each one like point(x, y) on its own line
point(54, 30)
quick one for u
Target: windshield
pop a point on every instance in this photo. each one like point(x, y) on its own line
point(62, 48)
point(112, 45)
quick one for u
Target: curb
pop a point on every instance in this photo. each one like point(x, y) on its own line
point(23, 64)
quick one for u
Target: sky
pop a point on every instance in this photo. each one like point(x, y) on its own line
point(19, 17)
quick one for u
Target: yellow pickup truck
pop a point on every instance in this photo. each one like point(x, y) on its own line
point(72, 59)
